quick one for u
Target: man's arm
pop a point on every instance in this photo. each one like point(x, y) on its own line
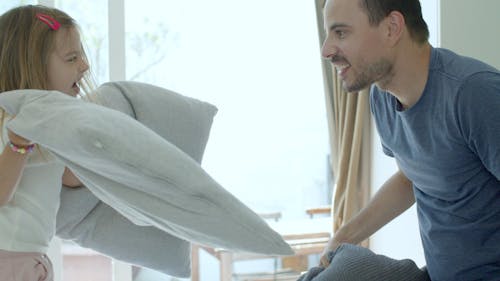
point(394, 197)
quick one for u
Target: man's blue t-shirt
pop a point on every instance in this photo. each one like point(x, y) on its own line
point(448, 145)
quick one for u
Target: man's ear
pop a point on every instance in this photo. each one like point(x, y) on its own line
point(395, 26)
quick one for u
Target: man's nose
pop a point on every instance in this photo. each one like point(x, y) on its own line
point(328, 49)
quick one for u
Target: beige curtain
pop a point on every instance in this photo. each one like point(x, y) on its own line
point(350, 138)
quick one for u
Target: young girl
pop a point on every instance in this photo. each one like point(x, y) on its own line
point(40, 48)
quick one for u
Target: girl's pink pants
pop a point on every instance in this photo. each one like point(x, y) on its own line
point(18, 266)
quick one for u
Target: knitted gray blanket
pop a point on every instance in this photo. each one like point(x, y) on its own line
point(355, 263)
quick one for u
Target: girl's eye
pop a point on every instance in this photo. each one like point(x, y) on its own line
point(72, 59)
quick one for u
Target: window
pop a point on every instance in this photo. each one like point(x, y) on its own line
point(6, 5)
point(259, 64)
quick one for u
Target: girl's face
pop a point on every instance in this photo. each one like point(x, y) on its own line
point(67, 63)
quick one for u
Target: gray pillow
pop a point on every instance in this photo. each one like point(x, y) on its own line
point(355, 263)
point(183, 121)
point(85, 220)
point(140, 174)
point(103, 229)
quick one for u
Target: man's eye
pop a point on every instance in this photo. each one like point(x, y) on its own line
point(72, 59)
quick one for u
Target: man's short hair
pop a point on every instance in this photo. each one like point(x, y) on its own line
point(377, 10)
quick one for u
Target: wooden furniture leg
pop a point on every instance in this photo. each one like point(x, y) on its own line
point(226, 266)
point(195, 262)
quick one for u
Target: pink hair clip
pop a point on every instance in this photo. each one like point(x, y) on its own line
point(50, 21)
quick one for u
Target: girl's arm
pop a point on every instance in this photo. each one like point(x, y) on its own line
point(69, 179)
point(11, 168)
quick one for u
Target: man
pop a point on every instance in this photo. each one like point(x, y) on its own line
point(438, 115)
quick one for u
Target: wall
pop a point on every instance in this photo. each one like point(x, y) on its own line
point(472, 28)
point(469, 28)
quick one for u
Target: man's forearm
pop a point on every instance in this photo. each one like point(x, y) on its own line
point(394, 197)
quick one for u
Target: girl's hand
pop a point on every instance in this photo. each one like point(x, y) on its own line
point(17, 139)
point(70, 180)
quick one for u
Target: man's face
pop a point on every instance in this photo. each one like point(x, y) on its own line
point(354, 47)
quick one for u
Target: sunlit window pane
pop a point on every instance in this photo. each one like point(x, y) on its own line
point(152, 41)
point(6, 5)
point(259, 63)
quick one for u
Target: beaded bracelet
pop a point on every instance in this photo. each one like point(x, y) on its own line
point(22, 149)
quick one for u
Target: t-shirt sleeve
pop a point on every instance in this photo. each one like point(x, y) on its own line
point(374, 98)
point(478, 113)
point(387, 151)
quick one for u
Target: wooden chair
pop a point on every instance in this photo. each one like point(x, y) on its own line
point(321, 210)
point(306, 238)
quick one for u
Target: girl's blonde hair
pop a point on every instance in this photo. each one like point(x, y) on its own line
point(26, 43)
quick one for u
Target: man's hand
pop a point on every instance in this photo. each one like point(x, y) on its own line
point(332, 246)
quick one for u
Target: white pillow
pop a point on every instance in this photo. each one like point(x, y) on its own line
point(84, 219)
point(183, 121)
point(139, 173)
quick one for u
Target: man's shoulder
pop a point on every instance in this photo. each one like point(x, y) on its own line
point(458, 67)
